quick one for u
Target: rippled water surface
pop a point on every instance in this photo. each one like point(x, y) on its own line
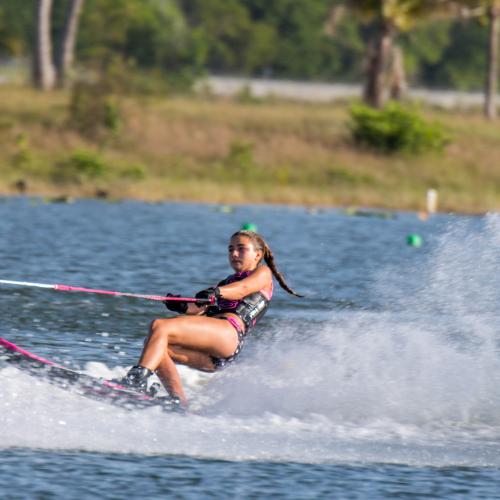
point(382, 382)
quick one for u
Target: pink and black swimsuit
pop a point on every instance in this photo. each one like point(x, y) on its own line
point(249, 309)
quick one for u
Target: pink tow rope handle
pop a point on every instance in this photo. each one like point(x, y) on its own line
point(68, 288)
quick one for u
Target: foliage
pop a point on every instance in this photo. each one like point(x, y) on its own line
point(146, 34)
point(402, 13)
point(233, 40)
point(94, 110)
point(395, 129)
point(82, 166)
point(463, 60)
point(424, 48)
point(23, 157)
point(165, 44)
point(16, 28)
point(303, 49)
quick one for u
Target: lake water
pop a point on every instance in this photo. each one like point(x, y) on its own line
point(383, 382)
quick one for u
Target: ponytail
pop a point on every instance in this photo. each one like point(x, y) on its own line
point(268, 258)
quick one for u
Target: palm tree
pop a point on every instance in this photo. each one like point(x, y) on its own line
point(43, 67)
point(390, 16)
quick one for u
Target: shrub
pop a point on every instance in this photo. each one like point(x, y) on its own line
point(94, 111)
point(23, 157)
point(396, 128)
point(84, 166)
point(80, 167)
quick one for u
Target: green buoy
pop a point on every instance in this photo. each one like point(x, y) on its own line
point(414, 240)
point(248, 226)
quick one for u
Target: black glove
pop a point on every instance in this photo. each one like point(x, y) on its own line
point(212, 294)
point(178, 306)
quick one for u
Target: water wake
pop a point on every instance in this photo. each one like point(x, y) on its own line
point(416, 383)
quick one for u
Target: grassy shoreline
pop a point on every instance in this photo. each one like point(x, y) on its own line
point(230, 152)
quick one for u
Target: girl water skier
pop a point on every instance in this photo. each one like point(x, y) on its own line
point(207, 337)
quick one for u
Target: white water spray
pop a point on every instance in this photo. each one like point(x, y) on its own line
point(416, 383)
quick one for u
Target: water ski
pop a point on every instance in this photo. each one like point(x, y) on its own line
point(92, 387)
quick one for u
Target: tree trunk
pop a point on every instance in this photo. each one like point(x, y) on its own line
point(66, 54)
point(490, 107)
point(43, 67)
point(398, 85)
point(378, 57)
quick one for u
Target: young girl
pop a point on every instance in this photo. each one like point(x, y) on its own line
point(207, 337)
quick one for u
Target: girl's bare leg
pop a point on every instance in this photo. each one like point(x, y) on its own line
point(193, 340)
point(167, 370)
point(215, 337)
point(169, 376)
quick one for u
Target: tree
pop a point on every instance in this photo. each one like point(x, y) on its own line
point(493, 13)
point(389, 17)
point(16, 30)
point(489, 9)
point(44, 74)
point(45, 70)
point(302, 43)
point(11, 43)
point(144, 31)
point(233, 40)
point(424, 50)
point(66, 55)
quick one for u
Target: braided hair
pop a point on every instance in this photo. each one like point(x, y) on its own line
point(268, 257)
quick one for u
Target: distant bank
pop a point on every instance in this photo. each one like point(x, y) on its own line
point(238, 150)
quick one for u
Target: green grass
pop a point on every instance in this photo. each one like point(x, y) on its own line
point(225, 151)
